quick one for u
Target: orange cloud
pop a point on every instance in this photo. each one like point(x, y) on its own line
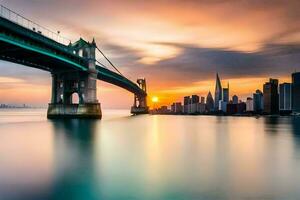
point(177, 45)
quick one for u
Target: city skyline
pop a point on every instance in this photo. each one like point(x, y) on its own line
point(275, 99)
point(161, 99)
point(177, 55)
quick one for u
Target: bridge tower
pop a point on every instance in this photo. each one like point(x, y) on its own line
point(67, 85)
point(140, 101)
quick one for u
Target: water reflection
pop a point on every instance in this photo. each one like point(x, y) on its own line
point(296, 131)
point(74, 142)
point(77, 129)
point(151, 157)
point(26, 160)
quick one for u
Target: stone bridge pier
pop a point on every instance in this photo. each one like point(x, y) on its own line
point(74, 93)
point(140, 101)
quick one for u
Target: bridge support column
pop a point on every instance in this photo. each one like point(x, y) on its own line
point(140, 101)
point(67, 87)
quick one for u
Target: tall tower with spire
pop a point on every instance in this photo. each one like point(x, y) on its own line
point(226, 94)
point(218, 92)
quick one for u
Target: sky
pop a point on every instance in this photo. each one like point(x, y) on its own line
point(178, 46)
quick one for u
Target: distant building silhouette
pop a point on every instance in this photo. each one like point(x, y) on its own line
point(222, 106)
point(232, 108)
point(285, 97)
point(271, 97)
point(226, 94)
point(176, 108)
point(194, 104)
point(163, 110)
point(210, 105)
point(195, 99)
point(249, 105)
point(186, 102)
point(241, 107)
point(218, 92)
point(235, 99)
point(201, 108)
point(296, 92)
point(202, 100)
point(258, 101)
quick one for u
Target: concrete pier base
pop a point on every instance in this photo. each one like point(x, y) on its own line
point(88, 110)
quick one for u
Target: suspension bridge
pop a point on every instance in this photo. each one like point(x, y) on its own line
point(73, 66)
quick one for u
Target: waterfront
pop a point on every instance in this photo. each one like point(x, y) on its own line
point(148, 157)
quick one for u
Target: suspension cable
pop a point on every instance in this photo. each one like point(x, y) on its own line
point(109, 61)
point(102, 65)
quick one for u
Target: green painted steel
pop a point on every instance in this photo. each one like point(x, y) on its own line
point(27, 46)
point(47, 47)
point(116, 79)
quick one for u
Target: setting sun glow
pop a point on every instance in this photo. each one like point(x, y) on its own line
point(154, 99)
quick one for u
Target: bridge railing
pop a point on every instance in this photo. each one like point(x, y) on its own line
point(26, 23)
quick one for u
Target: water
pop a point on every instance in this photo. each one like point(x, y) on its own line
point(148, 157)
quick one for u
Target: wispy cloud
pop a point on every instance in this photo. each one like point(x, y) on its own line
point(176, 44)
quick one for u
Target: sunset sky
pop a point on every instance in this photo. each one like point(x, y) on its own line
point(178, 46)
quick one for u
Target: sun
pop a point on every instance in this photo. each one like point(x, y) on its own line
point(154, 99)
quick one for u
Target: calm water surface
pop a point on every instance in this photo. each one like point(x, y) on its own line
point(148, 157)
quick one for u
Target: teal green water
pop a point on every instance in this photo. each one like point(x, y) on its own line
point(148, 157)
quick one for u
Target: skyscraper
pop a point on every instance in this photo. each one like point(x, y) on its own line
point(226, 94)
point(195, 99)
point(194, 103)
point(186, 102)
point(210, 105)
point(202, 100)
point(249, 104)
point(258, 101)
point(218, 92)
point(222, 106)
point(271, 97)
point(235, 99)
point(285, 97)
point(296, 92)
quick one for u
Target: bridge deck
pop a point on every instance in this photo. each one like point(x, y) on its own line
point(27, 47)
